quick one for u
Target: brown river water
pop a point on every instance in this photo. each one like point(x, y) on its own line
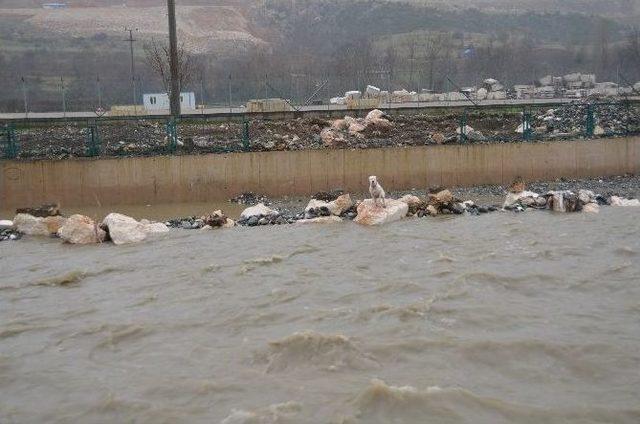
point(502, 318)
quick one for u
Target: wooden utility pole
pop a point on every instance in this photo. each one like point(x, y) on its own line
point(174, 98)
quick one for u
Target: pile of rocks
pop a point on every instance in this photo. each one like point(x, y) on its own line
point(375, 124)
point(7, 231)
point(249, 198)
point(441, 201)
point(319, 211)
point(563, 201)
point(468, 133)
point(261, 214)
point(80, 229)
point(216, 219)
point(570, 120)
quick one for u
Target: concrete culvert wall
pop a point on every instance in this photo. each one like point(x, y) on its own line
point(215, 177)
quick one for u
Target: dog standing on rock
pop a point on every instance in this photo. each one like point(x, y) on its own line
point(376, 191)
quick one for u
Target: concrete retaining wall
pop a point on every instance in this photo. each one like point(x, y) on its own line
point(167, 179)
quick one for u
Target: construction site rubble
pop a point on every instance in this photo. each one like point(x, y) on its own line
point(608, 119)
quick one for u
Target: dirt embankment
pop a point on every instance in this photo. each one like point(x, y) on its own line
point(203, 29)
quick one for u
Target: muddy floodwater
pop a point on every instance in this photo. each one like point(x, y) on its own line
point(501, 318)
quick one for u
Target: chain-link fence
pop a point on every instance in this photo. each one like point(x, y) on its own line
point(135, 136)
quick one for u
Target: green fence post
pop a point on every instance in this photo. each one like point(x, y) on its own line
point(463, 126)
point(245, 134)
point(11, 142)
point(93, 140)
point(627, 104)
point(526, 124)
point(172, 135)
point(590, 124)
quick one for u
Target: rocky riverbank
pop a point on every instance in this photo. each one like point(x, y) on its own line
point(375, 130)
point(561, 195)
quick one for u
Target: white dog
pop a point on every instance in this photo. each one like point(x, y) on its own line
point(376, 190)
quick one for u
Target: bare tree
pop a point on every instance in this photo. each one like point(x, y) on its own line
point(157, 56)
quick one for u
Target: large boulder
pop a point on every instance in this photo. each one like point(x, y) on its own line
point(410, 200)
point(586, 196)
point(6, 224)
point(563, 201)
point(217, 219)
point(258, 210)
point(619, 201)
point(123, 229)
point(371, 214)
point(30, 225)
point(331, 137)
point(514, 198)
point(316, 208)
point(154, 227)
point(320, 220)
point(80, 229)
point(54, 223)
point(442, 197)
point(373, 115)
point(591, 208)
point(336, 207)
point(356, 127)
point(340, 124)
point(376, 119)
point(341, 204)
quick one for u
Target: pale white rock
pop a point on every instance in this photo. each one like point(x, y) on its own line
point(339, 124)
point(258, 210)
point(586, 196)
point(229, 224)
point(348, 120)
point(123, 229)
point(375, 114)
point(30, 225)
point(513, 198)
point(371, 214)
point(467, 130)
point(558, 202)
point(372, 91)
point(335, 207)
point(356, 127)
point(315, 204)
point(591, 208)
point(619, 201)
point(156, 228)
point(598, 130)
point(320, 220)
point(80, 229)
point(6, 224)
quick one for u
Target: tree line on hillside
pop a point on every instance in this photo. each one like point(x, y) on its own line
point(330, 47)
